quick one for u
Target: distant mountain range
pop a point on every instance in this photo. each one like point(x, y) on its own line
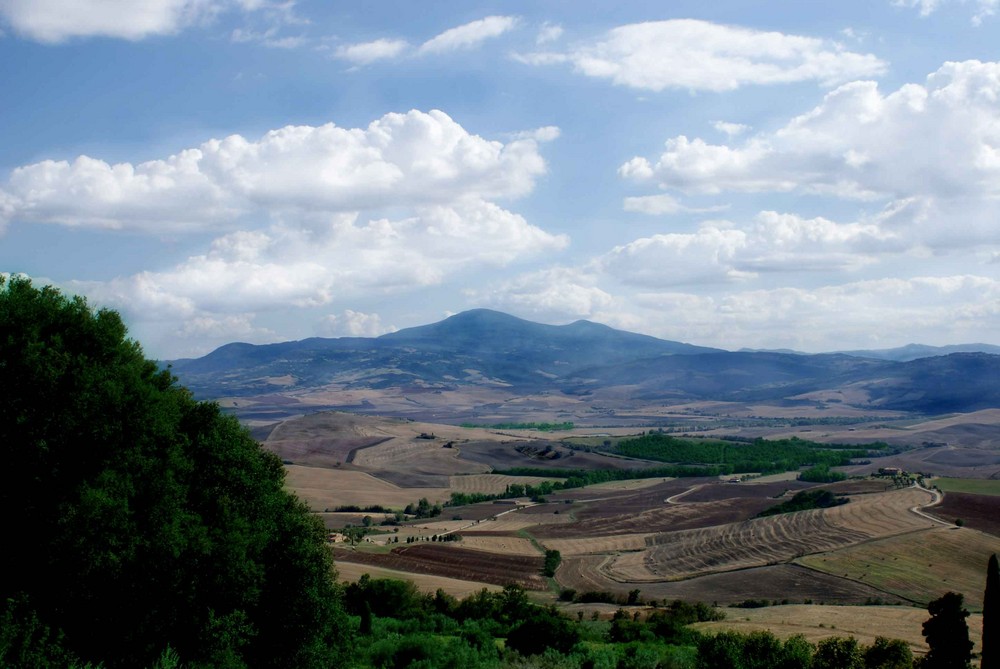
point(484, 347)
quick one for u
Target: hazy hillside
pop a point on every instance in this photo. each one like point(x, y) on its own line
point(488, 348)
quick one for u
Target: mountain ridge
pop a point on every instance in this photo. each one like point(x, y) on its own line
point(490, 348)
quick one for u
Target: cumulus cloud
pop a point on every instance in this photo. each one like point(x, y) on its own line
point(469, 35)
point(304, 217)
point(552, 294)
point(352, 323)
point(365, 53)
point(56, 21)
point(935, 310)
point(699, 55)
point(407, 159)
point(719, 252)
point(930, 150)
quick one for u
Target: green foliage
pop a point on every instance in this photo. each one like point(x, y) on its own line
point(542, 630)
point(760, 455)
point(155, 518)
point(947, 634)
point(991, 616)
point(821, 473)
point(423, 509)
point(805, 500)
point(888, 654)
point(838, 653)
point(552, 560)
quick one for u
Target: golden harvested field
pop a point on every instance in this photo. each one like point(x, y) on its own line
point(348, 572)
point(920, 566)
point(820, 622)
point(598, 545)
point(491, 484)
point(762, 541)
point(323, 488)
point(508, 545)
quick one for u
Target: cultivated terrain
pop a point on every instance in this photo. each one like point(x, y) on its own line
point(483, 406)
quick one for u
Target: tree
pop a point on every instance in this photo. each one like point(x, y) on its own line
point(888, 654)
point(947, 634)
point(145, 518)
point(991, 616)
point(838, 653)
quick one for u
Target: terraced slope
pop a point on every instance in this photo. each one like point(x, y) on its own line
point(772, 540)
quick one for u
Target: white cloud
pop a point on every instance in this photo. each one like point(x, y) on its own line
point(930, 151)
point(365, 53)
point(656, 205)
point(549, 32)
point(719, 252)
point(553, 294)
point(269, 38)
point(56, 20)
point(354, 324)
point(470, 34)
point(984, 8)
point(291, 265)
point(699, 55)
point(407, 159)
point(730, 129)
point(306, 217)
point(862, 314)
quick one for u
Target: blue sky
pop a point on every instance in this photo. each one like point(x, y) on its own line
point(816, 176)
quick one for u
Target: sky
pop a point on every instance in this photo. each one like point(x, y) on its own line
point(787, 174)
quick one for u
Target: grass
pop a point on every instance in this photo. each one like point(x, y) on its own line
point(919, 566)
point(974, 486)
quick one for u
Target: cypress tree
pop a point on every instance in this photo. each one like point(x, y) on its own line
point(991, 616)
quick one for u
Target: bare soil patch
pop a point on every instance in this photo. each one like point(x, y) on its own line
point(777, 583)
point(980, 512)
point(453, 562)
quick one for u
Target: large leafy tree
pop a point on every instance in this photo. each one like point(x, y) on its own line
point(138, 517)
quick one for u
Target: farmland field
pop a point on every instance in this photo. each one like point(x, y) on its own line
point(980, 512)
point(816, 622)
point(919, 566)
point(688, 538)
point(972, 486)
point(348, 572)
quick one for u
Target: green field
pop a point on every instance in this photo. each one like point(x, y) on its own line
point(918, 566)
point(974, 486)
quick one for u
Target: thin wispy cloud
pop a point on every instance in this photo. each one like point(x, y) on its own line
point(469, 35)
point(699, 55)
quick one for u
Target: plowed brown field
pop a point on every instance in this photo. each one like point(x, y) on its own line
point(453, 562)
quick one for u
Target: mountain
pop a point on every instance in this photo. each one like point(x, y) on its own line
point(916, 351)
point(478, 346)
point(484, 348)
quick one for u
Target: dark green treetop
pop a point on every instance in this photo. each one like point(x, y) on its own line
point(139, 518)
